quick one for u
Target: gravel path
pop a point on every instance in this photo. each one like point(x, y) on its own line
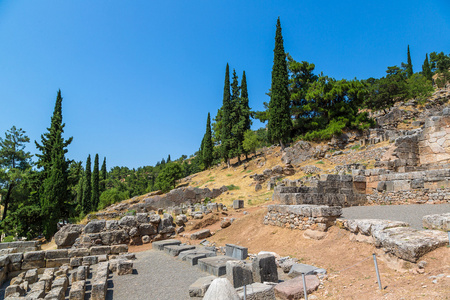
point(411, 213)
point(158, 276)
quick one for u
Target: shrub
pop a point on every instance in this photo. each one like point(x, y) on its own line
point(8, 239)
point(232, 187)
point(112, 196)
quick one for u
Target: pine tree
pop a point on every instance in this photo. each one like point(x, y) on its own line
point(226, 119)
point(280, 124)
point(207, 151)
point(53, 192)
point(426, 68)
point(95, 184)
point(104, 173)
point(409, 67)
point(87, 189)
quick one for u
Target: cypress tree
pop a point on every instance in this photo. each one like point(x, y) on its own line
point(207, 151)
point(280, 124)
point(245, 112)
point(235, 150)
point(409, 67)
point(95, 184)
point(226, 118)
point(103, 176)
point(426, 69)
point(87, 190)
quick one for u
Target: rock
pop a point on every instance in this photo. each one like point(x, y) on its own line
point(437, 221)
point(142, 218)
point(225, 223)
point(181, 220)
point(146, 239)
point(264, 268)
point(258, 187)
point(124, 267)
point(179, 230)
point(236, 251)
point(298, 269)
point(129, 221)
point(147, 229)
point(200, 286)
point(314, 234)
point(221, 289)
point(166, 224)
point(293, 288)
point(202, 234)
point(238, 204)
point(77, 290)
point(239, 273)
point(257, 291)
point(95, 226)
point(112, 225)
point(67, 235)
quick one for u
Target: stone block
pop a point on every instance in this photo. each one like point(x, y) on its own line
point(238, 204)
point(37, 294)
point(57, 262)
point(77, 290)
point(4, 260)
point(257, 291)
point(56, 293)
point(159, 245)
point(100, 250)
point(215, 265)
point(47, 280)
point(220, 288)
point(26, 265)
point(264, 268)
point(293, 288)
point(34, 256)
point(61, 281)
point(53, 254)
point(117, 249)
point(175, 250)
point(201, 234)
point(13, 289)
point(31, 276)
point(239, 273)
point(236, 251)
point(192, 256)
point(99, 289)
point(95, 226)
point(90, 260)
point(142, 218)
point(200, 286)
point(78, 252)
point(13, 267)
point(147, 229)
point(124, 267)
point(76, 261)
point(298, 269)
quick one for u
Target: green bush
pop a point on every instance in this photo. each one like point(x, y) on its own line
point(232, 187)
point(112, 196)
point(8, 239)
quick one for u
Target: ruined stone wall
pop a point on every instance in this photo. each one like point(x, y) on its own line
point(418, 196)
point(434, 143)
point(332, 190)
point(302, 217)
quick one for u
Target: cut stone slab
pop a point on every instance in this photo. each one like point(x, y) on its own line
point(159, 245)
point(201, 234)
point(175, 250)
point(200, 286)
point(408, 243)
point(236, 251)
point(215, 265)
point(192, 256)
point(239, 273)
point(298, 269)
point(264, 268)
point(293, 288)
point(221, 289)
point(257, 291)
point(438, 222)
point(369, 226)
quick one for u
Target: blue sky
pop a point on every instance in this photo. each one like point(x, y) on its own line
point(138, 78)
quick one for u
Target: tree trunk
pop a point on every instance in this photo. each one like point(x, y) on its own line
point(282, 145)
point(8, 195)
point(239, 159)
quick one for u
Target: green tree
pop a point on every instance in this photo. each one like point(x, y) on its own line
point(104, 173)
point(15, 162)
point(280, 124)
point(226, 120)
point(426, 69)
point(242, 122)
point(440, 65)
point(168, 176)
point(95, 184)
point(236, 141)
point(250, 142)
point(207, 151)
point(409, 67)
point(419, 87)
point(87, 188)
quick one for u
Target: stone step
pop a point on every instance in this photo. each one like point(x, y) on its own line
point(159, 245)
point(175, 250)
point(215, 265)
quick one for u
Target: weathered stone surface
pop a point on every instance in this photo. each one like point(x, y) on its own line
point(56, 293)
point(437, 221)
point(61, 281)
point(236, 251)
point(154, 219)
point(409, 244)
point(95, 226)
point(257, 291)
point(37, 294)
point(34, 256)
point(192, 256)
point(78, 252)
point(12, 289)
point(221, 289)
point(99, 288)
point(293, 288)
point(26, 265)
point(100, 250)
point(215, 265)
point(4, 260)
point(238, 204)
point(147, 229)
point(77, 290)
point(56, 262)
point(166, 224)
point(369, 226)
point(264, 268)
point(201, 234)
point(142, 218)
point(67, 235)
point(159, 245)
point(225, 223)
point(239, 273)
point(52, 254)
point(314, 234)
point(129, 221)
point(181, 220)
point(15, 257)
point(116, 249)
point(90, 260)
point(175, 250)
point(124, 267)
point(298, 269)
point(200, 286)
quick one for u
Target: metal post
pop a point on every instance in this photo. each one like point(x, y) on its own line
point(245, 292)
point(304, 286)
point(448, 232)
point(378, 273)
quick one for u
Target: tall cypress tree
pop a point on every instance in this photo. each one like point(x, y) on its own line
point(409, 67)
point(245, 112)
point(279, 127)
point(207, 151)
point(426, 68)
point(87, 190)
point(104, 173)
point(95, 184)
point(235, 150)
point(53, 192)
point(226, 118)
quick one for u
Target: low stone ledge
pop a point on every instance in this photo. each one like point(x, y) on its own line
point(437, 221)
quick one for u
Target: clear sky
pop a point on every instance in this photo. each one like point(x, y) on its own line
point(138, 78)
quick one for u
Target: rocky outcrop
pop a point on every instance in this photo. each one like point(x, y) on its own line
point(438, 222)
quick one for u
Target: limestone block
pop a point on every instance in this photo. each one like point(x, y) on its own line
point(257, 291)
point(26, 265)
point(129, 221)
point(78, 252)
point(221, 289)
point(293, 288)
point(31, 276)
point(437, 221)
point(200, 286)
point(124, 267)
point(95, 226)
point(37, 294)
point(239, 273)
point(264, 268)
point(76, 261)
point(159, 245)
point(57, 262)
point(34, 256)
point(147, 229)
point(100, 250)
point(90, 260)
point(61, 281)
point(12, 289)
point(154, 219)
point(99, 288)
point(47, 279)
point(201, 234)
point(56, 293)
point(236, 251)
point(142, 217)
point(238, 204)
point(117, 249)
point(77, 290)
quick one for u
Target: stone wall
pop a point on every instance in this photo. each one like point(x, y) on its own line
point(418, 196)
point(20, 246)
point(302, 217)
point(332, 190)
point(434, 143)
